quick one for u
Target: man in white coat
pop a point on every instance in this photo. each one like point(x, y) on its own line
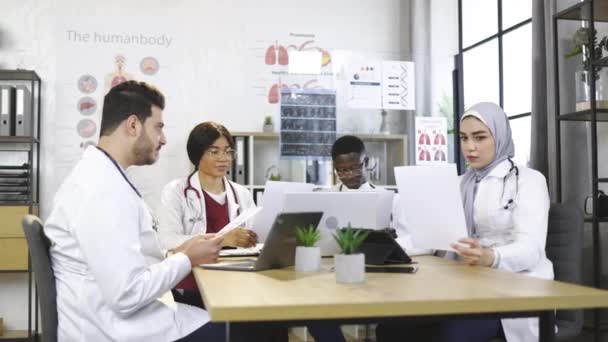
point(113, 280)
point(350, 161)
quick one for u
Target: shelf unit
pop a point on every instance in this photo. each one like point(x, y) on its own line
point(19, 185)
point(587, 12)
point(261, 158)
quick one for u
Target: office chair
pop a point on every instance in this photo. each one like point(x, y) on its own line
point(39, 245)
point(565, 250)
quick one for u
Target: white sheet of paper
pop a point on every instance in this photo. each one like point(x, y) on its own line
point(239, 220)
point(274, 195)
point(430, 199)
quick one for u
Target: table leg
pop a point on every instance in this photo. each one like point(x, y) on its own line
point(227, 331)
point(546, 326)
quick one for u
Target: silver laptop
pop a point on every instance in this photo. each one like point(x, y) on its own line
point(362, 209)
point(280, 246)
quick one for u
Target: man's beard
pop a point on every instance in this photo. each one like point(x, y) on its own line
point(144, 151)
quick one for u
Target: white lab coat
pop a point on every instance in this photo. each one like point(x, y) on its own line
point(518, 233)
point(398, 217)
point(109, 268)
point(181, 216)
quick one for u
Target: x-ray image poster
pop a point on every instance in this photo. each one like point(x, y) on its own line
point(308, 122)
point(431, 140)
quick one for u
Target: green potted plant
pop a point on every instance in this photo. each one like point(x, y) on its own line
point(268, 124)
point(350, 265)
point(585, 40)
point(308, 256)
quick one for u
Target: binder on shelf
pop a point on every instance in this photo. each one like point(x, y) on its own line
point(23, 111)
point(240, 169)
point(7, 110)
point(13, 189)
point(23, 166)
point(11, 174)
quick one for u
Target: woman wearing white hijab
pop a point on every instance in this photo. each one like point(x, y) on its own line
point(506, 207)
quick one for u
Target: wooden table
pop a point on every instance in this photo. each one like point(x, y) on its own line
point(440, 288)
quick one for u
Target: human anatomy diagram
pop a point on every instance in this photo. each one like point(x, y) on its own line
point(119, 75)
point(279, 54)
point(431, 145)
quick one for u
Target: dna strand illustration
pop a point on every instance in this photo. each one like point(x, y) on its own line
point(404, 85)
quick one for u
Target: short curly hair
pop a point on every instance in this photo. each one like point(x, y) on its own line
point(347, 144)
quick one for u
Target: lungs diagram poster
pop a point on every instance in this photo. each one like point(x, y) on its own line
point(431, 140)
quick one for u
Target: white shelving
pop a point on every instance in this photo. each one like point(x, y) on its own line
point(385, 151)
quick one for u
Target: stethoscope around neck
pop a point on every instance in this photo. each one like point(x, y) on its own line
point(510, 203)
point(189, 187)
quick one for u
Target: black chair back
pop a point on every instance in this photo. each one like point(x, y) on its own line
point(565, 250)
point(39, 246)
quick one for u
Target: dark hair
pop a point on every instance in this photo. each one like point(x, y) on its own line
point(126, 99)
point(202, 137)
point(347, 144)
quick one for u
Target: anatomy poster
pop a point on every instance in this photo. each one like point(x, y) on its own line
point(269, 70)
point(92, 58)
point(431, 140)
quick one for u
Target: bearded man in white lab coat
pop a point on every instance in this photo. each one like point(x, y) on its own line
point(113, 280)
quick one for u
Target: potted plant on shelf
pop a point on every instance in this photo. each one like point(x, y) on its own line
point(350, 265)
point(268, 124)
point(585, 40)
point(308, 256)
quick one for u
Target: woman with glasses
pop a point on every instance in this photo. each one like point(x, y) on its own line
point(205, 200)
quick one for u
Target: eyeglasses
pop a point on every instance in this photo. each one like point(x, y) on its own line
point(350, 173)
point(217, 154)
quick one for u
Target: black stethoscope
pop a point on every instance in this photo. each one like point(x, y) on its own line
point(511, 202)
point(370, 185)
point(189, 187)
point(155, 222)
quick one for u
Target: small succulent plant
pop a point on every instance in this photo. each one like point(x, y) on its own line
point(350, 239)
point(307, 237)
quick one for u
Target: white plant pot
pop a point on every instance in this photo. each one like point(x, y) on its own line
point(308, 259)
point(349, 268)
point(268, 128)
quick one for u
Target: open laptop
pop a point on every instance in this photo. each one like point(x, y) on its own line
point(280, 246)
point(362, 209)
point(272, 205)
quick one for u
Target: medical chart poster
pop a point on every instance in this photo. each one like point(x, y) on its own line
point(431, 140)
point(398, 85)
point(364, 85)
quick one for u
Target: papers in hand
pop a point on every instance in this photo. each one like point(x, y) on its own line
point(239, 220)
point(431, 201)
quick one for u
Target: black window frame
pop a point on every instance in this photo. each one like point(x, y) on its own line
point(459, 71)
